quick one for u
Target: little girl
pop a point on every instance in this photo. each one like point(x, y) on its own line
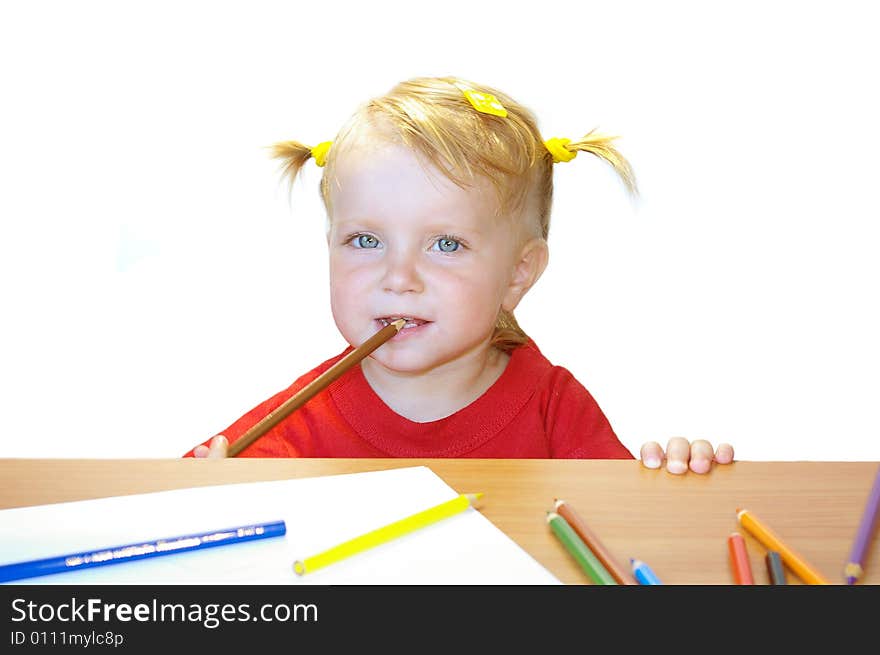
point(438, 200)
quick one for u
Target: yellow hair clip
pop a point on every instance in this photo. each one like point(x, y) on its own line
point(485, 103)
point(559, 151)
point(319, 152)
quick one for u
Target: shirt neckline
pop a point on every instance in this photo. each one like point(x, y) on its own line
point(452, 436)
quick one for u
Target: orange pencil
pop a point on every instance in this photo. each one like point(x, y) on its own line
point(739, 559)
point(792, 560)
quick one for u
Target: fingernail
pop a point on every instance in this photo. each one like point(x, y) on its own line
point(700, 465)
point(651, 462)
point(676, 466)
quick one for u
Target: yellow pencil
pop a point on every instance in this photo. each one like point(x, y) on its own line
point(387, 533)
point(770, 541)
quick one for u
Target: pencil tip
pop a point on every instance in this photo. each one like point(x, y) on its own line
point(852, 571)
point(474, 499)
point(399, 323)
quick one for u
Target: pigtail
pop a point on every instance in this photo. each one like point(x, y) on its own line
point(508, 334)
point(601, 146)
point(293, 156)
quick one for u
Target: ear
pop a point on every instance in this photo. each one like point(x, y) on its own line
point(531, 262)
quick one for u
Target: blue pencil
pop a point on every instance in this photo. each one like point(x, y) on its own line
point(140, 550)
point(643, 573)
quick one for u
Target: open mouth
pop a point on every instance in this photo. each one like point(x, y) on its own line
point(411, 321)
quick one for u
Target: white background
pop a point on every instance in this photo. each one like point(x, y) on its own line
point(158, 280)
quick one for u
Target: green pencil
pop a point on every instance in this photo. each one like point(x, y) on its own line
point(579, 550)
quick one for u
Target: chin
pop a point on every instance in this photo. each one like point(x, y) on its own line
point(407, 362)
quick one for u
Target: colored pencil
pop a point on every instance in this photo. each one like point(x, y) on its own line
point(739, 559)
point(806, 572)
point(579, 550)
point(621, 575)
point(320, 383)
point(854, 568)
point(775, 570)
point(643, 573)
point(140, 550)
point(386, 533)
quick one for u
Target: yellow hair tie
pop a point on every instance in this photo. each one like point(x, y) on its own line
point(484, 103)
point(559, 151)
point(319, 152)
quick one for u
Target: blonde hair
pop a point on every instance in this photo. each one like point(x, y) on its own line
point(433, 116)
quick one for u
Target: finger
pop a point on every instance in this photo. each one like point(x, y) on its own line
point(702, 454)
point(678, 453)
point(200, 451)
point(651, 455)
point(219, 446)
point(724, 453)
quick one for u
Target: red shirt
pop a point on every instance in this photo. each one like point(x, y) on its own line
point(534, 409)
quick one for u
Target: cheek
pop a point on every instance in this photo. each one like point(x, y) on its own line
point(476, 294)
point(346, 275)
point(490, 278)
point(343, 291)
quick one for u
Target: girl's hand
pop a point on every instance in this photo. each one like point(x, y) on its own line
point(682, 455)
point(219, 446)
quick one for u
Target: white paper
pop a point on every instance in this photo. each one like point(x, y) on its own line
point(319, 513)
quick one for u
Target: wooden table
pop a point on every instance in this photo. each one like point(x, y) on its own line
point(678, 524)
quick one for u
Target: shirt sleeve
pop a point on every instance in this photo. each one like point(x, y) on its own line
point(261, 447)
point(576, 426)
point(271, 444)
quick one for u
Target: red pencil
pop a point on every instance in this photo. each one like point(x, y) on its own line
point(739, 559)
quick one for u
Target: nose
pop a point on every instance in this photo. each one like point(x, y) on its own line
point(401, 273)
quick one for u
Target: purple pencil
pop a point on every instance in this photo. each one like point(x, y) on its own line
point(854, 568)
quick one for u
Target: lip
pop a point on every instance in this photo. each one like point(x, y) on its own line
point(405, 332)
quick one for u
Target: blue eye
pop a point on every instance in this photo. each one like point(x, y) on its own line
point(365, 241)
point(445, 244)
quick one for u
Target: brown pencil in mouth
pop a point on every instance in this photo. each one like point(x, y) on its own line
point(410, 321)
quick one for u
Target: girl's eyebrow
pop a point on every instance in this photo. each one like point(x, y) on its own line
point(473, 222)
point(433, 228)
point(353, 224)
